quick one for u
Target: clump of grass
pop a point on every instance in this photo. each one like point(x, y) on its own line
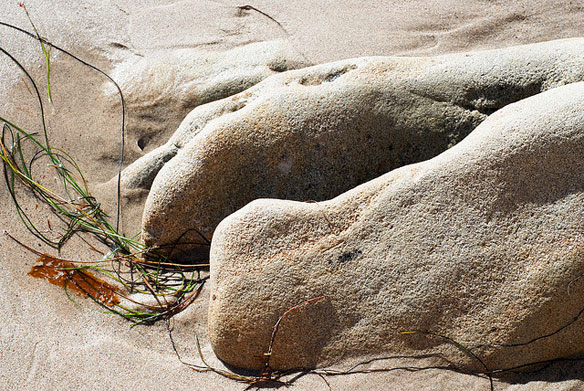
point(122, 262)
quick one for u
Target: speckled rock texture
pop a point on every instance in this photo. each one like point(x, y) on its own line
point(313, 133)
point(483, 244)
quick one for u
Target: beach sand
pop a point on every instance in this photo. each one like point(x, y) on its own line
point(49, 342)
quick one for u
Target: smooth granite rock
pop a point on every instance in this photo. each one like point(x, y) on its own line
point(313, 133)
point(483, 244)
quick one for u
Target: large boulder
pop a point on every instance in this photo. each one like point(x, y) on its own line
point(314, 133)
point(483, 244)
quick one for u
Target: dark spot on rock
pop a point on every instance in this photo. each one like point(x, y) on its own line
point(335, 75)
point(349, 256)
point(278, 66)
point(141, 143)
point(345, 257)
point(332, 76)
point(118, 45)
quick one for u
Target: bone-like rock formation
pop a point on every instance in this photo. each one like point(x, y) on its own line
point(483, 244)
point(313, 133)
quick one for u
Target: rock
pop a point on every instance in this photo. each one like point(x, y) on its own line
point(162, 87)
point(483, 244)
point(314, 133)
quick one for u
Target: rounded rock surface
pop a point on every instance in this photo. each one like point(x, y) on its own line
point(482, 244)
point(313, 133)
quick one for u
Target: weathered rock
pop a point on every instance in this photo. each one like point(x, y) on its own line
point(162, 87)
point(483, 244)
point(314, 133)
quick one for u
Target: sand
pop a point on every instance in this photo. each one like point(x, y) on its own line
point(48, 342)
